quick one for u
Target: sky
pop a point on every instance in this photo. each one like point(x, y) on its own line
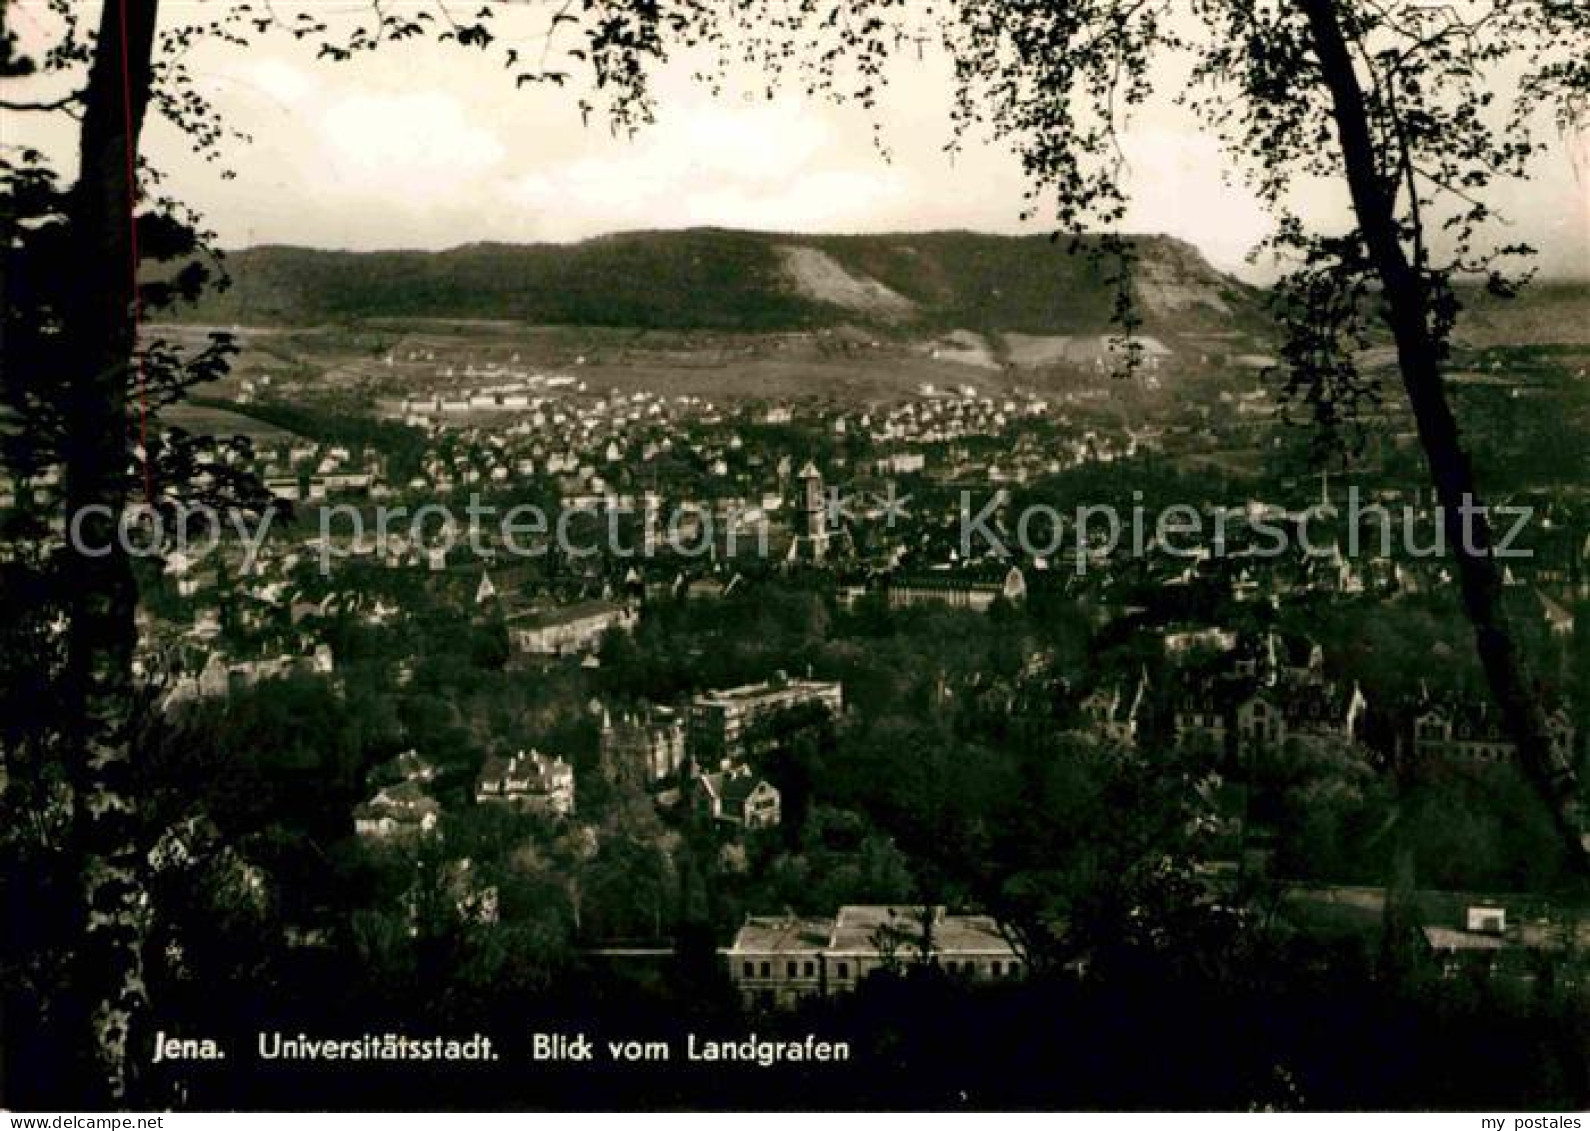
point(419, 145)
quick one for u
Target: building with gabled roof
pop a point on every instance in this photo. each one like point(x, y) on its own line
point(1461, 731)
point(534, 782)
point(738, 797)
point(400, 811)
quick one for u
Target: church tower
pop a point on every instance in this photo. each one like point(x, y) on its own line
point(813, 535)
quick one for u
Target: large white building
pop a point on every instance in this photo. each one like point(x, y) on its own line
point(726, 723)
point(570, 630)
point(778, 961)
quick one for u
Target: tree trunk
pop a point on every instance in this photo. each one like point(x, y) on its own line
point(1419, 357)
point(102, 597)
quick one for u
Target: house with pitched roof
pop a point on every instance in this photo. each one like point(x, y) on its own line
point(738, 797)
point(1460, 731)
point(533, 782)
point(396, 812)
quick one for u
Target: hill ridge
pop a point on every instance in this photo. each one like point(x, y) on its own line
point(713, 278)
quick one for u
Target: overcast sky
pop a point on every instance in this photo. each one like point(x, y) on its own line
point(421, 146)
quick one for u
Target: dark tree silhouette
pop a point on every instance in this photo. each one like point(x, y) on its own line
point(68, 383)
point(80, 390)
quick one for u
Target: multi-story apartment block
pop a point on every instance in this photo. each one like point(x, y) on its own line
point(731, 723)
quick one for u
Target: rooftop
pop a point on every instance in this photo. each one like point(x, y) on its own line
point(776, 686)
point(782, 934)
point(856, 930)
point(1449, 938)
point(566, 614)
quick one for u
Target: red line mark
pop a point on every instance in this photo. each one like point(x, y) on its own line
point(132, 235)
